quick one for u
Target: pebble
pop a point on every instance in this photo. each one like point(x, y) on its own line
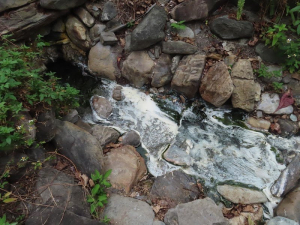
point(293, 117)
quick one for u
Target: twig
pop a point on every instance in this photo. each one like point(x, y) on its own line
point(68, 199)
point(52, 196)
point(65, 158)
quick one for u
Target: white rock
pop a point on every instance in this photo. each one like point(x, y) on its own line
point(270, 102)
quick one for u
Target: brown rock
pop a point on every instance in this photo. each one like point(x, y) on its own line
point(101, 106)
point(187, 76)
point(259, 123)
point(162, 71)
point(127, 166)
point(242, 69)
point(216, 86)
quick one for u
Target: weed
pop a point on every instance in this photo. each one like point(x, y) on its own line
point(240, 6)
point(295, 19)
point(130, 24)
point(179, 25)
point(277, 86)
point(105, 219)
point(98, 195)
point(263, 72)
point(4, 222)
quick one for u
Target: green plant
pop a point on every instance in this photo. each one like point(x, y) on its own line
point(240, 6)
point(98, 195)
point(6, 198)
point(263, 72)
point(295, 19)
point(275, 35)
point(22, 87)
point(105, 219)
point(179, 25)
point(277, 86)
point(4, 222)
point(130, 24)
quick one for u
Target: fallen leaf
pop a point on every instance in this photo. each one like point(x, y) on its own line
point(156, 208)
point(253, 42)
point(84, 179)
point(60, 165)
point(286, 100)
point(91, 183)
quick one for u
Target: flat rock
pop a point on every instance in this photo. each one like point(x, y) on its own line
point(177, 156)
point(150, 30)
point(288, 128)
point(270, 102)
point(137, 68)
point(128, 211)
point(23, 22)
point(228, 29)
point(201, 211)
point(10, 4)
point(101, 106)
point(108, 38)
point(61, 4)
point(79, 146)
point(288, 179)
point(131, 138)
point(216, 86)
point(259, 123)
point(186, 33)
point(289, 207)
point(178, 47)
point(245, 99)
point(105, 135)
point(103, 62)
point(85, 16)
point(240, 195)
point(78, 33)
point(268, 54)
point(176, 187)
point(95, 32)
point(162, 71)
point(242, 69)
point(187, 76)
point(109, 11)
point(278, 220)
point(127, 166)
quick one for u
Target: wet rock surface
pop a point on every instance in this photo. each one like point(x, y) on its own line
point(105, 135)
point(287, 128)
point(186, 79)
point(101, 106)
point(259, 123)
point(131, 138)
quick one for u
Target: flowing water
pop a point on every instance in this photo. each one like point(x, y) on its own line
point(197, 140)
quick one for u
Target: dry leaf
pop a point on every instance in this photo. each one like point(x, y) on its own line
point(156, 208)
point(91, 183)
point(84, 179)
point(286, 100)
point(60, 165)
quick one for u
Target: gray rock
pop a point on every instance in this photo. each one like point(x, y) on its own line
point(50, 216)
point(228, 29)
point(117, 93)
point(289, 207)
point(79, 146)
point(109, 11)
point(287, 78)
point(157, 51)
point(105, 135)
point(103, 61)
point(162, 71)
point(186, 33)
point(59, 189)
point(10, 4)
point(128, 211)
point(93, 9)
point(150, 30)
point(267, 54)
point(85, 16)
point(127, 166)
point(158, 223)
point(230, 60)
point(278, 220)
point(108, 38)
point(61, 4)
point(177, 156)
point(72, 116)
point(187, 77)
point(178, 47)
point(288, 128)
point(293, 118)
point(95, 32)
point(78, 33)
point(271, 69)
point(137, 68)
point(59, 26)
point(242, 69)
point(101, 106)
point(131, 138)
point(46, 126)
point(175, 187)
point(201, 211)
point(23, 22)
point(216, 86)
point(270, 102)
point(287, 179)
point(83, 125)
point(175, 63)
point(240, 195)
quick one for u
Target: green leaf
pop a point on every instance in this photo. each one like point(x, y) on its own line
point(106, 175)
point(106, 183)
point(102, 198)
point(298, 30)
point(100, 204)
point(8, 140)
point(295, 9)
point(98, 175)
point(9, 200)
point(95, 189)
point(93, 208)
point(90, 199)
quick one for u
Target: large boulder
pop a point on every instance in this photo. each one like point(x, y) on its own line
point(187, 76)
point(240, 195)
point(127, 166)
point(137, 68)
point(10, 4)
point(175, 187)
point(23, 22)
point(78, 33)
point(216, 86)
point(227, 28)
point(201, 211)
point(79, 146)
point(289, 207)
point(128, 211)
point(162, 71)
point(103, 61)
point(61, 4)
point(150, 30)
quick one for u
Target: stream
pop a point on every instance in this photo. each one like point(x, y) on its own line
point(196, 139)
